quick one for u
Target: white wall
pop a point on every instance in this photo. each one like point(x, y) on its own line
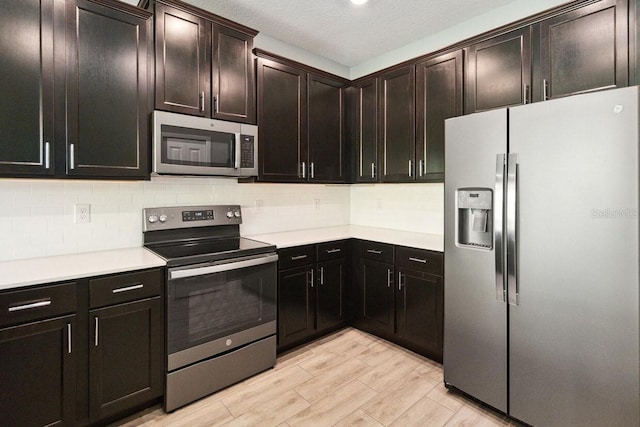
point(36, 216)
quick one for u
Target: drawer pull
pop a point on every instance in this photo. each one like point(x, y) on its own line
point(127, 288)
point(423, 261)
point(333, 251)
point(30, 306)
point(299, 257)
point(373, 251)
point(69, 338)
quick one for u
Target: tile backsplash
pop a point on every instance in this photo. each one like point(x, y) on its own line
point(37, 218)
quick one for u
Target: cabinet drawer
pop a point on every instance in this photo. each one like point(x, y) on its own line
point(331, 250)
point(125, 287)
point(296, 257)
point(420, 260)
point(27, 305)
point(376, 251)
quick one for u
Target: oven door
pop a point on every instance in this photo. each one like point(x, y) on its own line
point(215, 308)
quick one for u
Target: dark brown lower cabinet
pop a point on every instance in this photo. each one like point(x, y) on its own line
point(295, 305)
point(125, 356)
point(331, 284)
point(38, 373)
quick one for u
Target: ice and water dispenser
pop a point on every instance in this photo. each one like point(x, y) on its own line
point(475, 218)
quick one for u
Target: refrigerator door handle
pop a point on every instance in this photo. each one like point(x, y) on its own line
point(512, 241)
point(498, 217)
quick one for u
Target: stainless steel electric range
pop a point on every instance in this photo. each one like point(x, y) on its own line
point(221, 299)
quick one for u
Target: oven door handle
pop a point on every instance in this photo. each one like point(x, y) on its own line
point(201, 271)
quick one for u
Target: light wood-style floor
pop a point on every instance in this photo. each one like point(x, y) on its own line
point(349, 378)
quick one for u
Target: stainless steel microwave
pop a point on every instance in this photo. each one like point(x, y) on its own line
point(188, 145)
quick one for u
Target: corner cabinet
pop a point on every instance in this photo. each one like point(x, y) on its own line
point(75, 94)
point(366, 132)
point(204, 63)
point(301, 123)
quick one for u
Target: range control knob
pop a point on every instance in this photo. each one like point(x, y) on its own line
point(153, 218)
point(237, 214)
point(229, 214)
point(163, 218)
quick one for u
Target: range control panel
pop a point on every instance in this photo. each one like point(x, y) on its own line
point(190, 216)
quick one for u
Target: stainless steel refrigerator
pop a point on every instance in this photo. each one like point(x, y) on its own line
point(542, 259)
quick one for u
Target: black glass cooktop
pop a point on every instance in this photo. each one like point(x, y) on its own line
point(206, 250)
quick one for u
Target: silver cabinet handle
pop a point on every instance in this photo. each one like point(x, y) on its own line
point(512, 238)
point(30, 305)
point(420, 260)
point(95, 342)
point(298, 257)
point(373, 251)
point(410, 168)
point(498, 218)
point(215, 104)
point(312, 170)
point(72, 156)
point(311, 281)
point(525, 93)
point(373, 170)
point(322, 275)
point(127, 288)
point(47, 154)
point(333, 251)
point(69, 338)
point(202, 101)
point(304, 170)
point(389, 277)
point(420, 163)
point(545, 90)
point(399, 280)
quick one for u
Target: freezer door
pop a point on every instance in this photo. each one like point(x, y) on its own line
point(573, 335)
point(475, 314)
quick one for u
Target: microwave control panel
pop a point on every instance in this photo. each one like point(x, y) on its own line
point(247, 148)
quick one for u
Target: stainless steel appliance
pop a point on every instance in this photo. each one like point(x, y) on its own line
point(542, 259)
point(188, 145)
point(221, 299)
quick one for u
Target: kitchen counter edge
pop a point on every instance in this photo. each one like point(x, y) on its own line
point(51, 269)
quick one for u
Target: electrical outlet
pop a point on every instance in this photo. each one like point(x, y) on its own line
point(82, 213)
point(259, 205)
point(316, 204)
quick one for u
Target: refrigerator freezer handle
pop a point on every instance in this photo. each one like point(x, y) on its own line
point(498, 217)
point(512, 240)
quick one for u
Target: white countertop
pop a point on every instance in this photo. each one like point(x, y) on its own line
point(34, 271)
point(433, 242)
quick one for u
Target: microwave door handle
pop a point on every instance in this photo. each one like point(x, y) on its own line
point(237, 150)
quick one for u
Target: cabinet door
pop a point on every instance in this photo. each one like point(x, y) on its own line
point(282, 140)
point(296, 305)
point(499, 72)
point(582, 50)
point(233, 75)
point(438, 97)
point(325, 110)
point(367, 130)
point(107, 103)
point(126, 356)
point(376, 293)
point(331, 282)
point(419, 312)
point(38, 373)
point(183, 66)
point(397, 130)
point(26, 103)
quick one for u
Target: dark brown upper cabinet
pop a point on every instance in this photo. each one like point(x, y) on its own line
point(498, 71)
point(438, 97)
point(204, 64)
point(107, 100)
point(581, 50)
point(397, 124)
point(326, 133)
point(366, 132)
point(301, 124)
point(75, 104)
point(26, 104)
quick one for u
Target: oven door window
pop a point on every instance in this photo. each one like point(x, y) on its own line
point(204, 308)
point(193, 147)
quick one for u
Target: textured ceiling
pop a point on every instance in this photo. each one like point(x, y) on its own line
point(346, 33)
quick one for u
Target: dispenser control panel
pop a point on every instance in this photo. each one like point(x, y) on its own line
point(475, 218)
